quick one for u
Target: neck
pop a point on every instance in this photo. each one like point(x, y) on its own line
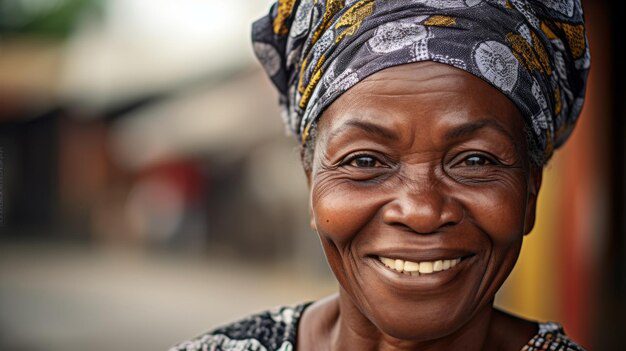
point(354, 331)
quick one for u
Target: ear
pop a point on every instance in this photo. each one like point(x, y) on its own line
point(312, 222)
point(311, 214)
point(307, 172)
point(534, 184)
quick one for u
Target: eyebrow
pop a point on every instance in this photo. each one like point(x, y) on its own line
point(455, 133)
point(469, 128)
point(369, 128)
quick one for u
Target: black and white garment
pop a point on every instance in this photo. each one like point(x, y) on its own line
point(266, 331)
point(276, 330)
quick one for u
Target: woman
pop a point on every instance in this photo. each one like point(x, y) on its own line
point(425, 126)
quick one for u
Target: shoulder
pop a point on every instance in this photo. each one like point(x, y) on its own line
point(274, 329)
point(551, 337)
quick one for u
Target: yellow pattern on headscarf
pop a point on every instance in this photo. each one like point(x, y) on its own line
point(285, 7)
point(541, 52)
point(575, 35)
point(353, 18)
point(315, 78)
point(547, 31)
point(332, 7)
point(305, 64)
point(305, 134)
point(532, 57)
point(440, 21)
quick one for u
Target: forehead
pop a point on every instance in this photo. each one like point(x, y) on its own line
point(426, 96)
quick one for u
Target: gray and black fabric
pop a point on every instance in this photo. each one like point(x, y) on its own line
point(277, 330)
point(535, 52)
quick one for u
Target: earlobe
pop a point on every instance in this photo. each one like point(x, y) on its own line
point(534, 185)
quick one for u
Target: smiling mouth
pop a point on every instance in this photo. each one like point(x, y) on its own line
point(418, 268)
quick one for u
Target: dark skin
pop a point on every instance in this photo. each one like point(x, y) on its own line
point(420, 162)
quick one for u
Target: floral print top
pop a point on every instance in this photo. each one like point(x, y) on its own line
point(276, 330)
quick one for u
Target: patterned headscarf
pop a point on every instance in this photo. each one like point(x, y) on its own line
point(535, 52)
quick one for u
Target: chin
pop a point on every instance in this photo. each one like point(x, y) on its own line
point(422, 307)
point(429, 319)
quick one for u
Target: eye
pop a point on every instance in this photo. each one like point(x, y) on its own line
point(473, 167)
point(364, 161)
point(477, 160)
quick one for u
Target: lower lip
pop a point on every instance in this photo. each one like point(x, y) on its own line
point(422, 282)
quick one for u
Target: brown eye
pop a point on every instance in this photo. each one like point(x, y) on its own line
point(477, 160)
point(365, 161)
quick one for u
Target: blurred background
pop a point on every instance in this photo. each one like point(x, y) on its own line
point(148, 191)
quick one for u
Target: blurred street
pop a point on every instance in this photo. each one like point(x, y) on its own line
point(70, 297)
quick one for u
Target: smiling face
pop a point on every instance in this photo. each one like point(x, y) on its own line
point(422, 163)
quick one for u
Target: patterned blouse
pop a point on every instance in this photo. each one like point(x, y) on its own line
point(275, 330)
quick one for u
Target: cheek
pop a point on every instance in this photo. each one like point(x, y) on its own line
point(498, 209)
point(340, 210)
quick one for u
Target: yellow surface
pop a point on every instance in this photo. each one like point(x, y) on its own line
point(532, 288)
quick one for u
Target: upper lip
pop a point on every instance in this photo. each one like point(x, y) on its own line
point(419, 255)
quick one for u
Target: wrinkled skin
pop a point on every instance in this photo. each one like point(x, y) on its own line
point(420, 161)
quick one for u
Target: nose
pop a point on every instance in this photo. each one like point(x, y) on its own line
point(423, 209)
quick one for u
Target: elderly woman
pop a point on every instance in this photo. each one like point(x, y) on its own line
point(425, 126)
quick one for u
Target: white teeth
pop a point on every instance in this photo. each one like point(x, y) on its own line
point(426, 267)
point(388, 262)
point(399, 265)
point(417, 268)
point(411, 266)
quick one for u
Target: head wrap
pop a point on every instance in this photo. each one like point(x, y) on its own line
point(535, 52)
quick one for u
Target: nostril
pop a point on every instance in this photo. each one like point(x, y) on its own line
point(416, 229)
point(410, 229)
point(423, 213)
point(449, 224)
